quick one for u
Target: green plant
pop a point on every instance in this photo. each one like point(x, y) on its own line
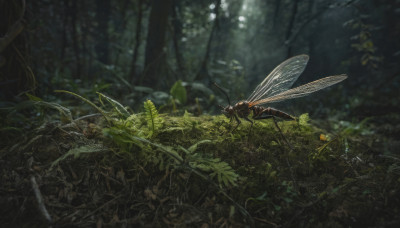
point(76, 152)
point(214, 166)
point(154, 121)
point(104, 113)
point(178, 92)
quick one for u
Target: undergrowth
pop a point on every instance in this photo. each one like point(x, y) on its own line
point(297, 175)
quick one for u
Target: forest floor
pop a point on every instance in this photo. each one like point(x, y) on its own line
point(158, 170)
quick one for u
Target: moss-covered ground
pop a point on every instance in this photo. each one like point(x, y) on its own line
point(162, 170)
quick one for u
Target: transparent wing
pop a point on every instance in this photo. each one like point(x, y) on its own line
point(303, 90)
point(281, 78)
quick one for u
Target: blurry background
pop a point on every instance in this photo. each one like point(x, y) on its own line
point(138, 49)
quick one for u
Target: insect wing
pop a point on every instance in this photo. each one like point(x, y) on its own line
point(281, 78)
point(302, 90)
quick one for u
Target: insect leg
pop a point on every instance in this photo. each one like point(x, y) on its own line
point(279, 129)
point(251, 126)
point(238, 122)
point(248, 120)
point(291, 148)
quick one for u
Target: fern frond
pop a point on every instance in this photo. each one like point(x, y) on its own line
point(154, 121)
point(223, 171)
point(117, 106)
point(225, 174)
point(106, 116)
point(76, 152)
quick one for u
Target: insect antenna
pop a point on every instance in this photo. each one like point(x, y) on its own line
point(224, 92)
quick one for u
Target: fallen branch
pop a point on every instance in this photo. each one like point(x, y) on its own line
point(39, 199)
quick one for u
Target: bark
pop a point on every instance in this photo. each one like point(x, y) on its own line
point(177, 34)
point(137, 41)
point(15, 73)
point(203, 72)
point(64, 30)
point(75, 41)
point(290, 27)
point(276, 13)
point(155, 56)
point(103, 12)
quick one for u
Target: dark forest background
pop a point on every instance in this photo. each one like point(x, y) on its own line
point(109, 116)
point(137, 49)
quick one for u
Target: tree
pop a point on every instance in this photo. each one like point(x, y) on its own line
point(103, 11)
point(155, 56)
point(203, 72)
point(137, 40)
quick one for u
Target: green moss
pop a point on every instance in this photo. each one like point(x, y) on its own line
point(289, 176)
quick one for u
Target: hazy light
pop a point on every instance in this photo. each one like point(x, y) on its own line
point(242, 18)
point(212, 6)
point(212, 16)
point(224, 5)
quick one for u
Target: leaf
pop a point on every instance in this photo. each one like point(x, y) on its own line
point(88, 102)
point(304, 119)
point(178, 92)
point(223, 171)
point(164, 149)
point(76, 152)
point(65, 112)
point(154, 122)
point(118, 106)
point(201, 87)
point(32, 97)
point(143, 89)
point(193, 148)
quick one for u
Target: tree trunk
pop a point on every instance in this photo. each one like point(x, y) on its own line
point(203, 72)
point(75, 40)
point(15, 73)
point(290, 27)
point(103, 11)
point(137, 41)
point(276, 13)
point(155, 56)
point(177, 34)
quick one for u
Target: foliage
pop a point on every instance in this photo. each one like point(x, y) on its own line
point(100, 110)
point(304, 119)
point(226, 176)
point(154, 122)
point(364, 44)
point(116, 105)
point(124, 135)
point(190, 157)
point(77, 152)
point(178, 92)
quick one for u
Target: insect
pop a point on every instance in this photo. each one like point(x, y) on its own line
point(275, 88)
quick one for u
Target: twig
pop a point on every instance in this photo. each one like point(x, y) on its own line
point(39, 200)
point(266, 221)
point(101, 207)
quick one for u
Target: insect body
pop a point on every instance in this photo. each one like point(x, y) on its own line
point(275, 88)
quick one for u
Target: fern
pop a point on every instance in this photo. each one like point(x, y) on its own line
point(105, 115)
point(118, 107)
point(178, 92)
point(225, 174)
point(76, 152)
point(304, 119)
point(154, 121)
